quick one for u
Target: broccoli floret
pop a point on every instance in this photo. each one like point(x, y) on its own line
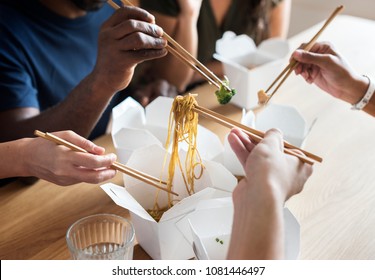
point(223, 95)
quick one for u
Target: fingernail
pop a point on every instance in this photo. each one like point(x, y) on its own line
point(297, 53)
point(112, 157)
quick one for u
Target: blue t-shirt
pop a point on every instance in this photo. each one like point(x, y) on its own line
point(43, 56)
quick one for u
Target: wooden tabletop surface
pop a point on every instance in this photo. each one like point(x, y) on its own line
point(335, 210)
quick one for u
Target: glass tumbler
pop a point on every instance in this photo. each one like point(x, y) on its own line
point(101, 237)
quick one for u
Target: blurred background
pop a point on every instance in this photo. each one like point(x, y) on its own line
point(306, 13)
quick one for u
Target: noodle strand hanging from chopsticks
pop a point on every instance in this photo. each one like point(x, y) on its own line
point(182, 127)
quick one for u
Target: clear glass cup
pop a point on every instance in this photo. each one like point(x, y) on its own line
point(101, 237)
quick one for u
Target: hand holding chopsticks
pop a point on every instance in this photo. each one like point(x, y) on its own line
point(177, 50)
point(264, 96)
point(255, 135)
point(116, 165)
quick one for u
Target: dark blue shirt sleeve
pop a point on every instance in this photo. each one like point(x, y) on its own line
point(16, 86)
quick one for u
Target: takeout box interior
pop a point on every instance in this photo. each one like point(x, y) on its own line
point(250, 68)
point(211, 239)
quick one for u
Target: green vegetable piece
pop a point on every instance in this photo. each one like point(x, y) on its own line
point(223, 95)
point(219, 241)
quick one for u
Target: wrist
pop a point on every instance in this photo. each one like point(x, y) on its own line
point(366, 89)
point(189, 18)
point(97, 86)
point(22, 157)
point(354, 89)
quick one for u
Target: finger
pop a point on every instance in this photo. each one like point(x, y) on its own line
point(298, 69)
point(131, 26)
point(126, 13)
point(80, 141)
point(94, 176)
point(274, 139)
point(321, 60)
point(238, 148)
point(306, 76)
point(245, 139)
point(240, 144)
point(91, 161)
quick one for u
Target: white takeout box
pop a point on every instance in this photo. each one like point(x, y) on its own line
point(163, 240)
point(283, 117)
point(134, 127)
point(139, 136)
point(211, 240)
point(250, 68)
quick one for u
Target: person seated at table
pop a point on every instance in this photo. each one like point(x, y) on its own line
point(271, 177)
point(62, 63)
point(326, 68)
point(198, 24)
point(55, 163)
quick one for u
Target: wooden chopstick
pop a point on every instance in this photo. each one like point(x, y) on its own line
point(193, 66)
point(177, 50)
point(256, 135)
point(116, 165)
point(293, 63)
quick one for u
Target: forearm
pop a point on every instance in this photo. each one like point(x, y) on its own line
point(79, 112)
point(11, 164)
point(280, 19)
point(257, 233)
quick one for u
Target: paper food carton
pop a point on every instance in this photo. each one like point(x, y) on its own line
point(250, 68)
point(283, 117)
point(211, 240)
point(139, 135)
point(163, 239)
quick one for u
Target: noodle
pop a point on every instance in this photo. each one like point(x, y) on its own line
point(182, 127)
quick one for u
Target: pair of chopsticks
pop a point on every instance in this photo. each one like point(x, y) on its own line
point(256, 135)
point(153, 181)
point(264, 97)
point(187, 58)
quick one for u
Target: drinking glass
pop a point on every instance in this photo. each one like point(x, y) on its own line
point(101, 237)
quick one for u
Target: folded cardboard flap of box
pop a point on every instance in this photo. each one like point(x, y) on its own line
point(248, 67)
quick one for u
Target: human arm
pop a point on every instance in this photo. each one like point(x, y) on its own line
point(126, 39)
point(183, 29)
point(55, 163)
point(280, 19)
point(271, 178)
point(324, 67)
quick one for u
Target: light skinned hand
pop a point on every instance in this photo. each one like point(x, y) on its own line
point(323, 66)
point(60, 165)
point(271, 177)
point(267, 168)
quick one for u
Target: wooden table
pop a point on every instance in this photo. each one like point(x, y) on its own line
point(335, 209)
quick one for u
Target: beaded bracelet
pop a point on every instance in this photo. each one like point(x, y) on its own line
point(366, 98)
